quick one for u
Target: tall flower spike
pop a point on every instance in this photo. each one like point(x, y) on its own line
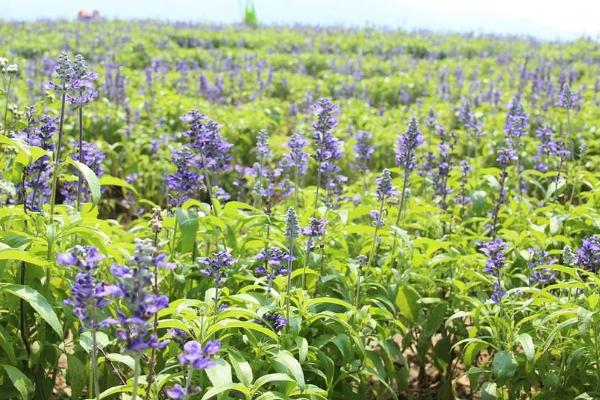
point(566, 97)
point(384, 185)
point(363, 149)
point(292, 229)
point(588, 255)
point(138, 305)
point(407, 145)
point(296, 158)
point(494, 250)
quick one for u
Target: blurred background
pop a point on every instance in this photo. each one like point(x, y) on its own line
point(548, 19)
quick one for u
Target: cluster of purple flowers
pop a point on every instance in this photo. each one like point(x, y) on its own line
point(88, 294)
point(384, 188)
point(538, 259)
point(185, 183)
point(566, 98)
point(463, 199)
point(327, 146)
point(407, 146)
point(588, 255)
point(40, 132)
point(296, 158)
point(216, 266)
point(363, 150)
point(92, 157)
point(516, 124)
point(494, 250)
point(138, 305)
point(273, 262)
point(314, 231)
point(469, 120)
point(75, 81)
point(276, 321)
point(205, 138)
point(193, 356)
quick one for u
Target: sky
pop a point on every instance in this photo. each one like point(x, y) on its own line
point(548, 19)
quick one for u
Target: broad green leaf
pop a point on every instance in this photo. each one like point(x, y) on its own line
point(187, 220)
point(232, 324)
point(37, 302)
point(107, 180)
point(85, 340)
point(489, 391)
point(220, 373)
point(122, 358)
point(22, 255)
point(407, 302)
point(89, 176)
point(212, 392)
point(286, 362)
point(526, 342)
point(504, 365)
point(242, 368)
point(76, 375)
point(278, 377)
point(20, 381)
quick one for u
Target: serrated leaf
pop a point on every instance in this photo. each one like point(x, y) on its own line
point(286, 362)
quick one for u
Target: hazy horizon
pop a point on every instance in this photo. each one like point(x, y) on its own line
point(509, 17)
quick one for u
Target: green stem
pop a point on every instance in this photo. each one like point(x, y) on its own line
point(57, 158)
point(94, 360)
point(289, 280)
point(400, 210)
point(6, 105)
point(80, 182)
point(136, 376)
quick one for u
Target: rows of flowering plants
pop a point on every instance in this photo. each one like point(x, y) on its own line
point(218, 212)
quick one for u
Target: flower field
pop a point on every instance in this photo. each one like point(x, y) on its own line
point(223, 212)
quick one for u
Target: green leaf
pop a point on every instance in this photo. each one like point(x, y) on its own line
point(524, 339)
point(22, 255)
point(286, 362)
point(21, 382)
point(220, 373)
point(89, 176)
point(76, 375)
point(434, 320)
point(85, 340)
point(232, 323)
point(37, 302)
point(488, 391)
point(122, 358)
point(505, 365)
point(242, 368)
point(188, 225)
point(263, 380)
point(212, 392)
point(407, 302)
point(107, 180)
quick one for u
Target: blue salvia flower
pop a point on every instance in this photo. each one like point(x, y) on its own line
point(273, 262)
point(546, 147)
point(292, 228)
point(566, 98)
point(407, 144)
point(262, 145)
point(87, 292)
point(215, 267)
point(138, 305)
point(185, 183)
point(276, 321)
point(494, 250)
point(296, 158)
point(193, 356)
point(92, 157)
point(327, 146)
point(40, 132)
point(206, 140)
point(463, 199)
point(540, 275)
point(81, 90)
point(363, 150)
point(469, 120)
point(588, 255)
point(314, 231)
point(516, 123)
point(384, 185)
point(65, 73)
